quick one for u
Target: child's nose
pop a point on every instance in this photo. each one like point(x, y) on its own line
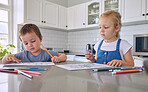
point(30, 44)
point(101, 29)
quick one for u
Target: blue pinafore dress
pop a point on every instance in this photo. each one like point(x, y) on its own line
point(103, 57)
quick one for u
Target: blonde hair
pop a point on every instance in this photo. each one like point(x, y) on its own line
point(116, 19)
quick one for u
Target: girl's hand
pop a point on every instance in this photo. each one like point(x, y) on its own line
point(115, 63)
point(55, 59)
point(89, 55)
point(12, 59)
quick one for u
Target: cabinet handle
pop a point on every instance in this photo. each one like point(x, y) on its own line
point(66, 26)
point(83, 23)
point(44, 21)
point(143, 14)
point(146, 13)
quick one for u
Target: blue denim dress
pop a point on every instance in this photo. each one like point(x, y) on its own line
point(103, 57)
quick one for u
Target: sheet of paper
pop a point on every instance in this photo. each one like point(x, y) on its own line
point(29, 64)
point(1, 66)
point(83, 66)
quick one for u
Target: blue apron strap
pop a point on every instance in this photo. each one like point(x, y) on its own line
point(100, 44)
point(118, 44)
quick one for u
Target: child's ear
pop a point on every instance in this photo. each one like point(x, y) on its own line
point(41, 38)
point(118, 28)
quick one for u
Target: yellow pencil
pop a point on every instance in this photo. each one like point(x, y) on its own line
point(46, 50)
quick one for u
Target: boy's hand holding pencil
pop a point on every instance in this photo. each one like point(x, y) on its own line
point(55, 59)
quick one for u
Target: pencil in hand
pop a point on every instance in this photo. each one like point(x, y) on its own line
point(46, 50)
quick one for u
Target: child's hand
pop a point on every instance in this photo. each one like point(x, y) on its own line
point(55, 59)
point(89, 55)
point(115, 63)
point(11, 58)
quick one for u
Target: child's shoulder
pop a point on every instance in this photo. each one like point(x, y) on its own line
point(123, 41)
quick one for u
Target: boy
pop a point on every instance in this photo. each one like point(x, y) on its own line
point(31, 38)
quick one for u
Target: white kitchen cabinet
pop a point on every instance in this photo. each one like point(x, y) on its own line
point(76, 16)
point(62, 17)
point(40, 12)
point(50, 14)
point(111, 5)
point(79, 16)
point(70, 18)
point(147, 10)
point(134, 10)
point(93, 11)
point(33, 11)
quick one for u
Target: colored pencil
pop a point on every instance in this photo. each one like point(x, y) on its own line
point(25, 74)
point(46, 50)
point(35, 69)
point(127, 71)
point(29, 72)
point(9, 71)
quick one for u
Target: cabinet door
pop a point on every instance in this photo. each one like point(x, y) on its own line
point(62, 17)
point(70, 18)
point(111, 5)
point(93, 11)
point(147, 11)
point(79, 16)
point(50, 14)
point(33, 11)
point(133, 10)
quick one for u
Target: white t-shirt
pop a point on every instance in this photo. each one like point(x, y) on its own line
point(124, 47)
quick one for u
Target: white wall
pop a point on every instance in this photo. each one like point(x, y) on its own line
point(54, 39)
point(75, 2)
point(60, 2)
point(78, 40)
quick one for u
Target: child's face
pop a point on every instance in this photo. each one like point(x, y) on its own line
point(31, 42)
point(107, 29)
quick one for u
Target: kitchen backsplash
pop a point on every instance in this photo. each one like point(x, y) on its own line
point(77, 40)
point(54, 39)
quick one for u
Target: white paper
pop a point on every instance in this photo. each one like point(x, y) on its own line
point(83, 66)
point(29, 64)
point(1, 66)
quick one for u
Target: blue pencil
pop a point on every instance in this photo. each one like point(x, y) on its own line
point(35, 69)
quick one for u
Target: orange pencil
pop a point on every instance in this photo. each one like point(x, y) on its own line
point(46, 50)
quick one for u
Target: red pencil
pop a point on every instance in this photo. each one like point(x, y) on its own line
point(127, 71)
point(7, 71)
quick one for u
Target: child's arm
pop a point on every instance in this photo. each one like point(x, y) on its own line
point(9, 59)
point(128, 60)
point(89, 56)
point(59, 58)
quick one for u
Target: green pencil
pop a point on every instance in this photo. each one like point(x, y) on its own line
point(98, 70)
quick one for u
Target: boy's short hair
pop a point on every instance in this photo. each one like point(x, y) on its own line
point(115, 16)
point(29, 28)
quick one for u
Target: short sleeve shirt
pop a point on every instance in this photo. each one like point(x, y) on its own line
point(26, 56)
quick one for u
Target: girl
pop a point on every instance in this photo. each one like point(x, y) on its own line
point(111, 50)
point(31, 38)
